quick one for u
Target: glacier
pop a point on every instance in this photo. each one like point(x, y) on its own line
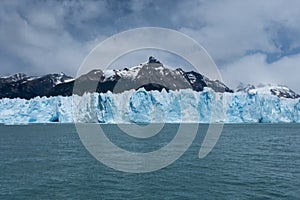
point(141, 106)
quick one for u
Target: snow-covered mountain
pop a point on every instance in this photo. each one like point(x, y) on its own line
point(277, 90)
point(14, 78)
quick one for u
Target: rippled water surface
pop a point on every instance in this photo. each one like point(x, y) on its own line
point(254, 161)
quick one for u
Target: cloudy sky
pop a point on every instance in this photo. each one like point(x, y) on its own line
point(251, 41)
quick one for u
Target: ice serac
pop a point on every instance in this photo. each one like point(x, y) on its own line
point(152, 106)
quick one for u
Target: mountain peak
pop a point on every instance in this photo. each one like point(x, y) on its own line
point(151, 59)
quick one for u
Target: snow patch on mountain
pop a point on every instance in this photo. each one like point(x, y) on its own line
point(129, 73)
point(277, 90)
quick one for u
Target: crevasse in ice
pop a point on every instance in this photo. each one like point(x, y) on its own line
point(152, 106)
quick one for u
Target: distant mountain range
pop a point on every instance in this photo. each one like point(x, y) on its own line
point(27, 87)
point(277, 90)
point(151, 75)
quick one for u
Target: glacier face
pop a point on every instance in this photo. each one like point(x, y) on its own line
point(152, 106)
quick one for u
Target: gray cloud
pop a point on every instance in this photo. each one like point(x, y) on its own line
point(38, 37)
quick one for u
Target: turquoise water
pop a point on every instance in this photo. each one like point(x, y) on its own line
point(258, 161)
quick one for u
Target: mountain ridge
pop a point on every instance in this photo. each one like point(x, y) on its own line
point(152, 75)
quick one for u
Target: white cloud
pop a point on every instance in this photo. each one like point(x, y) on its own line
point(53, 36)
point(231, 28)
point(38, 39)
point(254, 69)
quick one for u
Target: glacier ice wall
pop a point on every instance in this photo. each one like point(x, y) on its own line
point(152, 106)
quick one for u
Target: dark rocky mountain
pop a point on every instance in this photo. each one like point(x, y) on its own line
point(151, 75)
point(23, 86)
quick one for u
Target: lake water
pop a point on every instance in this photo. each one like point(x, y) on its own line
point(250, 161)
